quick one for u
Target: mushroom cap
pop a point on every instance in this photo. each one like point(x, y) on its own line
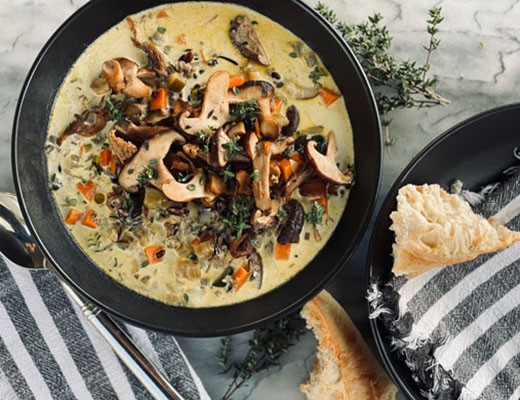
point(114, 75)
point(184, 192)
point(325, 165)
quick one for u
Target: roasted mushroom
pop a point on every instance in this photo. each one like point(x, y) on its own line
point(87, 123)
point(218, 153)
point(299, 92)
point(246, 40)
point(261, 163)
point(325, 165)
point(293, 224)
point(294, 120)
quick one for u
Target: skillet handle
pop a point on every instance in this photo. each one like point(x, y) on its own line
point(151, 378)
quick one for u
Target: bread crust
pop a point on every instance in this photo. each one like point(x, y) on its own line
point(434, 228)
point(345, 369)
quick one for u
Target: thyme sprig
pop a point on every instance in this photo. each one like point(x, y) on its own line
point(396, 84)
point(115, 109)
point(266, 347)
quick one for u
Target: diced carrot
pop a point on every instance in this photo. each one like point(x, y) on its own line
point(322, 201)
point(240, 277)
point(181, 39)
point(282, 251)
point(195, 242)
point(154, 254)
point(73, 216)
point(162, 14)
point(286, 168)
point(90, 219)
point(104, 157)
point(277, 105)
point(113, 165)
point(88, 189)
point(160, 100)
point(235, 80)
point(298, 158)
point(328, 96)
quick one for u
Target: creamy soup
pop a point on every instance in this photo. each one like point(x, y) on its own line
point(200, 154)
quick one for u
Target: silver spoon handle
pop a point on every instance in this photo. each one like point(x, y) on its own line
point(151, 378)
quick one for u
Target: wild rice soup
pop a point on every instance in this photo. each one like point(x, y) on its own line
point(200, 153)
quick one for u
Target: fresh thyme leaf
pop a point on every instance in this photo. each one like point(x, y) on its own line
point(246, 111)
point(184, 177)
point(205, 139)
point(315, 215)
point(396, 84)
point(191, 187)
point(161, 29)
point(227, 174)
point(232, 147)
point(265, 349)
point(114, 108)
point(238, 215)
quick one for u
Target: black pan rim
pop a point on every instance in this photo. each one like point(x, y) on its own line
point(411, 391)
point(367, 212)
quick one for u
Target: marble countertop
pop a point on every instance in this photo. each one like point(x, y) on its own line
point(477, 66)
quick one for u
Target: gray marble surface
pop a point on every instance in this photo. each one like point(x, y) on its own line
point(478, 68)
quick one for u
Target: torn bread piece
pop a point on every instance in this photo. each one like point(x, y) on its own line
point(344, 369)
point(434, 228)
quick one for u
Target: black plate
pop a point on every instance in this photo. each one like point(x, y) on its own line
point(29, 163)
point(475, 151)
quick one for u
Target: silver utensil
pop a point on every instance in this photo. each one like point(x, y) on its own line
point(18, 247)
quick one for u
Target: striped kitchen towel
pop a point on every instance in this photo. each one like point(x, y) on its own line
point(48, 350)
point(458, 327)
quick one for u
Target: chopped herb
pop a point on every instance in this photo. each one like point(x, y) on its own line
point(279, 85)
point(236, 90)
point(114, 108)
point(191, 187)
point(232, 147)
point(205, 139)
point(316, 74)
point(186, 297)
point(192, 257)
point(153, 162)
point(130, 171)
point(238, 215)
point(144, 264)
point(315, 215)
point(70, 202)
point(293, 54)
point(227, 174)
point(246, 111)
point(161, 29)
point(53, 177)
point(255, 174)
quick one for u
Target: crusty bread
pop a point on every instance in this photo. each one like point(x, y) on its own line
point(345, 369)
point(434, 228)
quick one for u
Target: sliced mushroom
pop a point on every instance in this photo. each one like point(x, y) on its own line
point(157, 59)
point(301, 92)
point(246, 40)
point(237, 130)
point(139, 133)
point(215, 108)
point(244, 181)
point(264, 220)
point(280, 146)
point(135, 111)
point(114, 75)
point(87, 123)
point(100, 85)
point(218, 152)
point(293, 223)
point(325, 165)
point(193, 151)
point(192, 190)
point(297, 179)
point(155, 149)
point(261, 190)
point(123, 149)
point(250, 145)
point(262, 92)
point(293, 116)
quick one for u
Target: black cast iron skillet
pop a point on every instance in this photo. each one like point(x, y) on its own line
point(476, 151)
point(30, 174)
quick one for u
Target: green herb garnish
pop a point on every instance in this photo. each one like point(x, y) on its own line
point(238, 214)
point(147, 174)
point(227, 174)
point(255, 174)
point(246, 111)
point(316, 74)
point(315, 215)
point(115, 109)
point(232, 147)
point(161, 29)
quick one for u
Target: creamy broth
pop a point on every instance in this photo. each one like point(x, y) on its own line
point(204, 26)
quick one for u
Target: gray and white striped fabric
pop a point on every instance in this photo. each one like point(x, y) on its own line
point(48, 350)
point(458, 327)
